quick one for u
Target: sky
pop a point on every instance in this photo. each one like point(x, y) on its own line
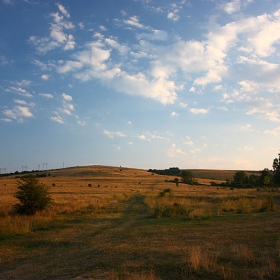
point(139, 83)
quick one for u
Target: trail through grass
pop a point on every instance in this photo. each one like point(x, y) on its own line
point(119, 238)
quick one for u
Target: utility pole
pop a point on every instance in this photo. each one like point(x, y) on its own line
point(45, 164)
point(24, 167)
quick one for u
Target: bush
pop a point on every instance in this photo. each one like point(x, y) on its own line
point(163, 193)
point(268, 204)
point(33, 196)
point(168, 211)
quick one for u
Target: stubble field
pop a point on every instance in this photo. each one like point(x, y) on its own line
point(112, 223)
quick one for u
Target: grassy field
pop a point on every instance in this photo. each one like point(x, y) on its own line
point(107, 223)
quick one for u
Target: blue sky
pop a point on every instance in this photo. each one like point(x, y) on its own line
point(139, 83)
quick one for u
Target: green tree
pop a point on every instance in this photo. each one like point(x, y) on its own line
point(240, 177)
point(276, 171)
point(254, 180)
point(275, 165)
point(33, 195)
point(187, 177)
point(266, 178)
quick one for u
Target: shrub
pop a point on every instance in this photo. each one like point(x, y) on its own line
point(168, 211)
point(33, 196)
point(162, 194)
point(268, 204)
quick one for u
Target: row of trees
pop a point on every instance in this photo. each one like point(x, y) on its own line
point(268, 178)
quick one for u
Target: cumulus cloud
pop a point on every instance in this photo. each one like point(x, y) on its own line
point(142, 137)
point(57, 37)
point(188, 141)
point(112, 134)
point(66, 97)
point(18, 112)
point(45, 77)
point(232, 6)
point(63, 10)
point(57, 119)
point(19, 91)
point(203, 62)
point(173, 15)
point(173, 151)
point(47, 95)
point(198, 110)
point(134, 21)
point(159, 35)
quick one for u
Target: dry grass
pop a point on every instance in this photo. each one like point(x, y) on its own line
point(105, 230)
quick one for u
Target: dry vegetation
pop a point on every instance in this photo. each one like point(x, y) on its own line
point(107, 223)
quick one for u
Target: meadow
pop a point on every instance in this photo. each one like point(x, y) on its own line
point(124, 223)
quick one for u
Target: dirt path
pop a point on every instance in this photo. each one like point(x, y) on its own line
point(82, 246)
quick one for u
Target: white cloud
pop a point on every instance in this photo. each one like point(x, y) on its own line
point(198, 111)
point(47, 95)
point(218, 87)
point(159, 35)
point(112, 135)
point(173, 114)
point(23, 83)
point(142, 137)
point(202, 62)
point(103, 28)
point(232, 7)
point(22, 102)
point(274, 132)
point(10, 114)
point(114, 44)
point(173, 15)
point(63, 10)
point(45, 77)
point(69, 66)
point(174, 151)
point(194, 151)
point(81, 25)
point(57, 37)
point(66, 97)
point(6, 120)
point(23, 111)
point(134, 21)
point(188, 141)
point(184, 105)
point(19, 91)
point(57, 119)
point(160, 89)
point(18, 112)
point(82, 123)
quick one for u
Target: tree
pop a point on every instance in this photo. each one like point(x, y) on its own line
point(276, 171)
point(265, 178)
point(33, 195)
point(254, 180)
point(240, 177)
point(187, 177)
point(276, 165)
point(176, 180)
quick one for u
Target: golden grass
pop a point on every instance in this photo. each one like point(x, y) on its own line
point(101, 227)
